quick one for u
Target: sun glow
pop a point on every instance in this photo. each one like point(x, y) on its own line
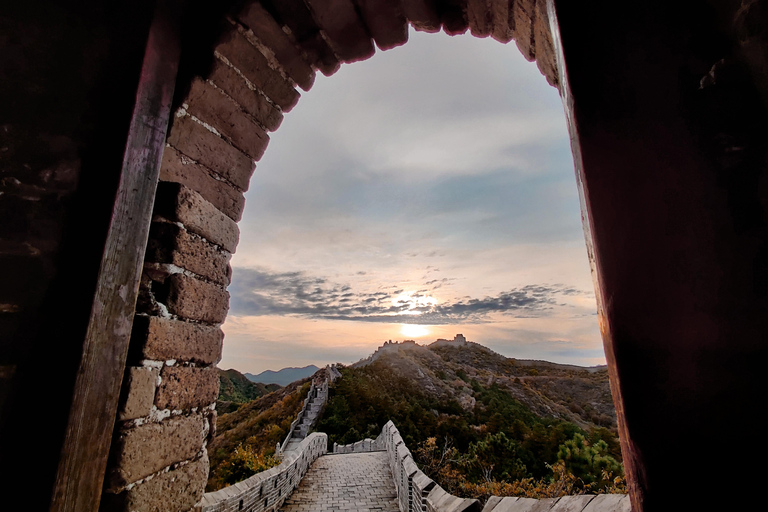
point(413, 330)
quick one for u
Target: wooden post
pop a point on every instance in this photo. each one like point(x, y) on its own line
point(92, 415)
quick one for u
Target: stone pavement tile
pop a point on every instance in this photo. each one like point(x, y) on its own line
point(360, 482)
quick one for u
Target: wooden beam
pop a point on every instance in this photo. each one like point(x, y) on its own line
point(92, 415)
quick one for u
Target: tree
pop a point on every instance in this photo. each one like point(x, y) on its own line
point(589, 462)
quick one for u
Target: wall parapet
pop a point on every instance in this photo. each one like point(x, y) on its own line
point(268, 490)
point(416, 492)
point(364, 446)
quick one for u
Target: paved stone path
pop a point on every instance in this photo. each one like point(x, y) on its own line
point(352, 481)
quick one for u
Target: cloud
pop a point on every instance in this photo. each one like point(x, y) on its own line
point(259, 292)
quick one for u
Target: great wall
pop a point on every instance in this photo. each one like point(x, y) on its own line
point(386, 479)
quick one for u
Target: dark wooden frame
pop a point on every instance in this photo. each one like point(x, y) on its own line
point(83, 461)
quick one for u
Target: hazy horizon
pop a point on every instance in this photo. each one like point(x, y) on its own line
point(426, 192)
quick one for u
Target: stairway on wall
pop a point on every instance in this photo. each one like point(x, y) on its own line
point(313, 409)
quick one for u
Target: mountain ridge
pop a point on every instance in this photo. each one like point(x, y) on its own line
point(283, 376)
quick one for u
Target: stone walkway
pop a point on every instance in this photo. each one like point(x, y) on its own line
point(352, 481)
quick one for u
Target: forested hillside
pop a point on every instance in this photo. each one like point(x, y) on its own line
point(482, 424)
point(235, 389)
point(245, 439)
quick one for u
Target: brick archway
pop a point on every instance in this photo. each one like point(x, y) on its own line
point(218, 132)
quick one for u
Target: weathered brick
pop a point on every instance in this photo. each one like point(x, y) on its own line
point(453, 17)
point(422, 14)
point(253, 101)
point(197, 300)
point(179, 203)
point(179, 489)
point(271, 35)
point(200, 144)
point(522, 31)
point(184, 387)
point(171, 243)
point(179, 168)
point(385, 21)
point(479, 18)
point(163, 339)
point(500, 19)
point(140, 451)
point(139, 392)
point(295, 15)
point(216, 109)
point(255, 67)
point(346, 33)
point(544, 47)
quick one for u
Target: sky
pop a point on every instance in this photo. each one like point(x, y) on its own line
point(425, 192)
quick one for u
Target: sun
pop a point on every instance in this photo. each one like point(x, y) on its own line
point(413, 330)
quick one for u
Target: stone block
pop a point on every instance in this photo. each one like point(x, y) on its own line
point(179, 489)
point(609, 503)
point(255, 67)
point(171, 243)
point(202, 145)
point(253, 101)
point(296, 17)
point(271, 35)
point(422, 14)
point(453, 17)
point(514, 504)
point(218, 110)
point(196, 300)
point(572, 503)
point(179, 203)
point(138, 392)
point(522, 31)
point(385, 21)
point(185, 387)
point(180, 168)
point(346, 33)
point(140, 451)
point(163, 339)
point(479, 18)
point(544, 47)
point(501, 16)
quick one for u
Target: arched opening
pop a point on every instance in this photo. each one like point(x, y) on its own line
point(440, 169)
point(219, 128)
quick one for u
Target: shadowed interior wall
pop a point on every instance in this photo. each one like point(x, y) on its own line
point(671, 127)
point(68, 74)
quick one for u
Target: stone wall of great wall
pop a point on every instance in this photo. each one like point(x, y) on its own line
point(268, 490)
point(416, 492)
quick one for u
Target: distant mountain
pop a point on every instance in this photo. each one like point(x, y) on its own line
point(283, 377)
point(461, 372)
point(235, 389)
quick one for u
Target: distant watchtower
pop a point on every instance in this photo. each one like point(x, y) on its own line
point(460, 338)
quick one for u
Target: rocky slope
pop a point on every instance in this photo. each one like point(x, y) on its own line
point(446, 369)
